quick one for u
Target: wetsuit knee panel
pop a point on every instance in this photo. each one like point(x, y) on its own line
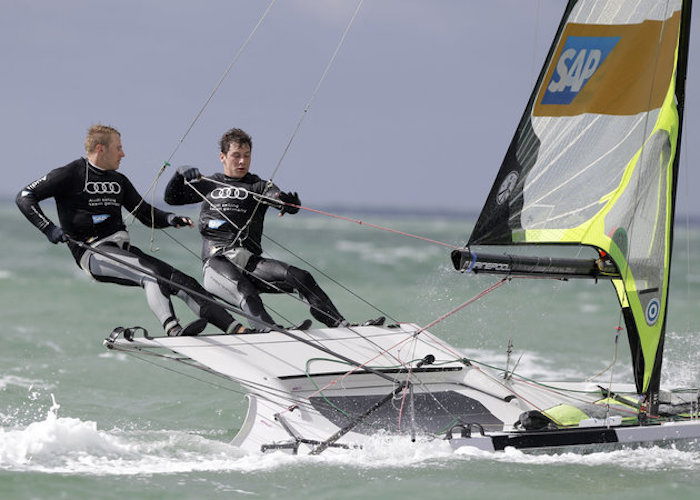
point(300, 276)
point(186, 281)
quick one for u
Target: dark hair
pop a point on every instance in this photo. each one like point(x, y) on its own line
point(237, 136)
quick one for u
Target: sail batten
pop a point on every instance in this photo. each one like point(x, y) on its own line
point(595, 157)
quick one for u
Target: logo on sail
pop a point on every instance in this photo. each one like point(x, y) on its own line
point(652, 311)
point(580, 58)
point(507, 187)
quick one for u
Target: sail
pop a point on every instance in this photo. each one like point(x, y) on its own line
point(594, 158)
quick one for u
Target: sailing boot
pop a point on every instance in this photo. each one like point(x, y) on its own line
point(192, 329)
point(374, 322)
point(370, 322)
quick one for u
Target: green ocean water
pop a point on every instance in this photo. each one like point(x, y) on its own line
point(78, 421)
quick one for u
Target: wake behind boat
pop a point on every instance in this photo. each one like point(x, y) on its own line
point(593, 165)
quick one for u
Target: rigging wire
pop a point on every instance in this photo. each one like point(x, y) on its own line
point(318, 87)
point(266, 392)
point(480, 295)
point(220, 82)
point(610, 367)
point(687, 225)
point(328, 277)
point(375, 226)
point(173, 238)
point(152, 188)
point(536, 29)
point(234, 307)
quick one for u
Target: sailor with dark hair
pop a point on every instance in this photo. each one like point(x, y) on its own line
point(231, 224)
point(89, 195)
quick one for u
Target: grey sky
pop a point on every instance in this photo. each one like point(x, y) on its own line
point(417, 110)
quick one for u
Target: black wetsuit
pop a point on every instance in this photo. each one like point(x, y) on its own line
point(231, 219)
point(89, 204)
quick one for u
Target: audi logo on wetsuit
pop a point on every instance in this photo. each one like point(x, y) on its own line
point(103, 188)
point(229, 192)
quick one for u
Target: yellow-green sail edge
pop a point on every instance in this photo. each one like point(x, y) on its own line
point(644, 304)
point(594, 233)
point(649, 316)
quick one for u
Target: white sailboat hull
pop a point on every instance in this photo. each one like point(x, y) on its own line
point(397, 380)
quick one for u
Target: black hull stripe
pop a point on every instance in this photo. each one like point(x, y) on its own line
point(573, 437)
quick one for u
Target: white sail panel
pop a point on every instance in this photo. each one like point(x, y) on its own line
point(575, 152)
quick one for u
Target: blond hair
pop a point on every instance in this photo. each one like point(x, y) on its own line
point(99, 134)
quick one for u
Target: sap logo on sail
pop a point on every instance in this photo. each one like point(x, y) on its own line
point(580, 59)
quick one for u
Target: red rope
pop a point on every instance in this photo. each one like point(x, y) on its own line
point(459, 308)
point(375, 226)
point(335, 216)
